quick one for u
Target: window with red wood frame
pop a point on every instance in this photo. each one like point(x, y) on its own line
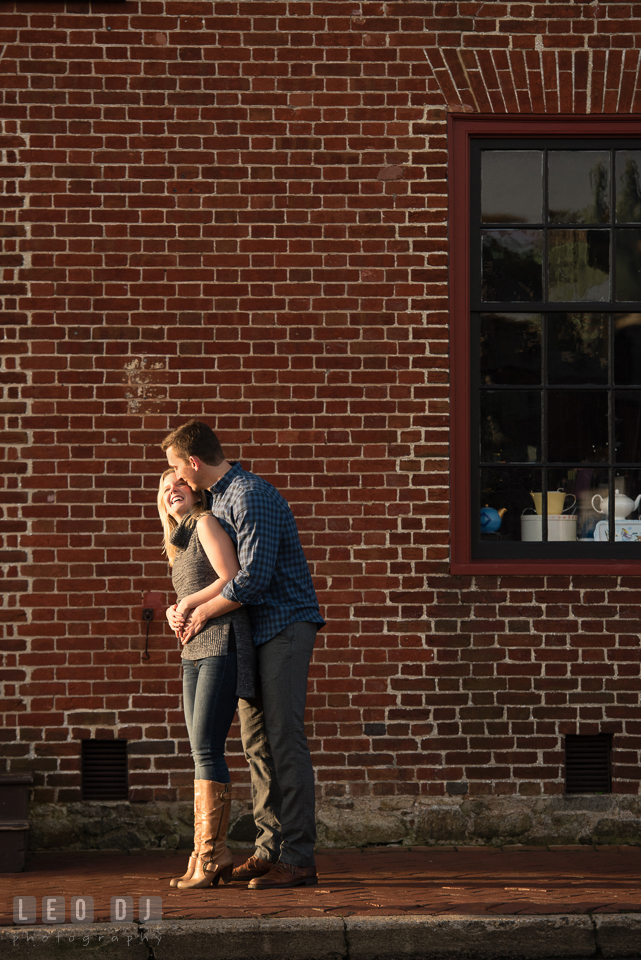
point(545, 294)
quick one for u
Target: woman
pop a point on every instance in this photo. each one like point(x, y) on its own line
point(218, 667)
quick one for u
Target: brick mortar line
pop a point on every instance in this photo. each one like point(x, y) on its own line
point(27, 387)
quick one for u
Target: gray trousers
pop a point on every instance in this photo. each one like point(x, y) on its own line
point(275, 745)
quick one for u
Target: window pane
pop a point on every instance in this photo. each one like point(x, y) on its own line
point(577, 426)
point(588, 484)
point(510, 425)
point(627, 426)
point(628, 264)
point(506, 492)
point(627, 500)
point(512, 186)
point(511, 348)
point(579, 265)
point(561, 510)
point(628, 186)
point(512, 261)
point(561, 491)
point(579, 186)
point(578, 348)
point(627, 348)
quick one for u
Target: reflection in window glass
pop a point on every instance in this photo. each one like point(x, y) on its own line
point(579, 265)
point(511, 186)
point(627, 348)
point(627, 426)
point(510, 426)
point(512, 265)
point(578, 348)
point(579, 186)
point(510, 348)
point(577, 426)
point(628, 185)
point(590, 486)
point(628, 264)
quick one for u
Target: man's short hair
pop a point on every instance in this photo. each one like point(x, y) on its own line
point(195, 439)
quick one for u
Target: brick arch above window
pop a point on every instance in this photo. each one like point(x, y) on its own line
point(538, 81)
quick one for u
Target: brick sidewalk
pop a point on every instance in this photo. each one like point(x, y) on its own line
point(376, 882)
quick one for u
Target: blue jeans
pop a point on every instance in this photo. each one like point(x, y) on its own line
point(209, 699)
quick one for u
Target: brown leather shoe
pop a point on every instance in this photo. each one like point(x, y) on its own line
point(285, 875)
point(254, 867)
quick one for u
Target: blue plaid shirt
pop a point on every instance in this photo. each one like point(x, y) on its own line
point(274, 580)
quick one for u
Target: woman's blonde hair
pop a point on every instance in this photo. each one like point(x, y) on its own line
point(168, 522)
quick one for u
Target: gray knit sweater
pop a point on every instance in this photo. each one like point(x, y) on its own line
point(190, 573)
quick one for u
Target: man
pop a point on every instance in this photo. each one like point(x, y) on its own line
point(275, 583)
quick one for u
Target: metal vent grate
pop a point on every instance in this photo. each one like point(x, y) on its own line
point(104, 770)
point(587, 764)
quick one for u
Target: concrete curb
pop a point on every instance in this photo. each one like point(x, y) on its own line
point(486, 938)
point(293, 938)
point(618, 934)
point(443, 937)
point(112, 941)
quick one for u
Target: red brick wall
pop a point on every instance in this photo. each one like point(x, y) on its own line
point(238, 210)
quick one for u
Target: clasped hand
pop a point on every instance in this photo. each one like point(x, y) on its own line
point(185, 621)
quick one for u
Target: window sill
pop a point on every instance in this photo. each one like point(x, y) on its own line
point(524, 568)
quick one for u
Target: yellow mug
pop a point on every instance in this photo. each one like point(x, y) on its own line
point(556, 500)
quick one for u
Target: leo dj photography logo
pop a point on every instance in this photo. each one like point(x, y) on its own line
point(81, 910)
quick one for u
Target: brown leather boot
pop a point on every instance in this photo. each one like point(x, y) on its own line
point(285, 875)
point(215, 860)
point(193, 856)
point(254, 867)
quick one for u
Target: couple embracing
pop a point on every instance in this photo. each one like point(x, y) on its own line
point(246, 615)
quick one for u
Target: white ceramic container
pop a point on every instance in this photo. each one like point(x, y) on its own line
point(560, 527)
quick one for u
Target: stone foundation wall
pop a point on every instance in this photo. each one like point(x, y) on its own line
point(353, 823)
